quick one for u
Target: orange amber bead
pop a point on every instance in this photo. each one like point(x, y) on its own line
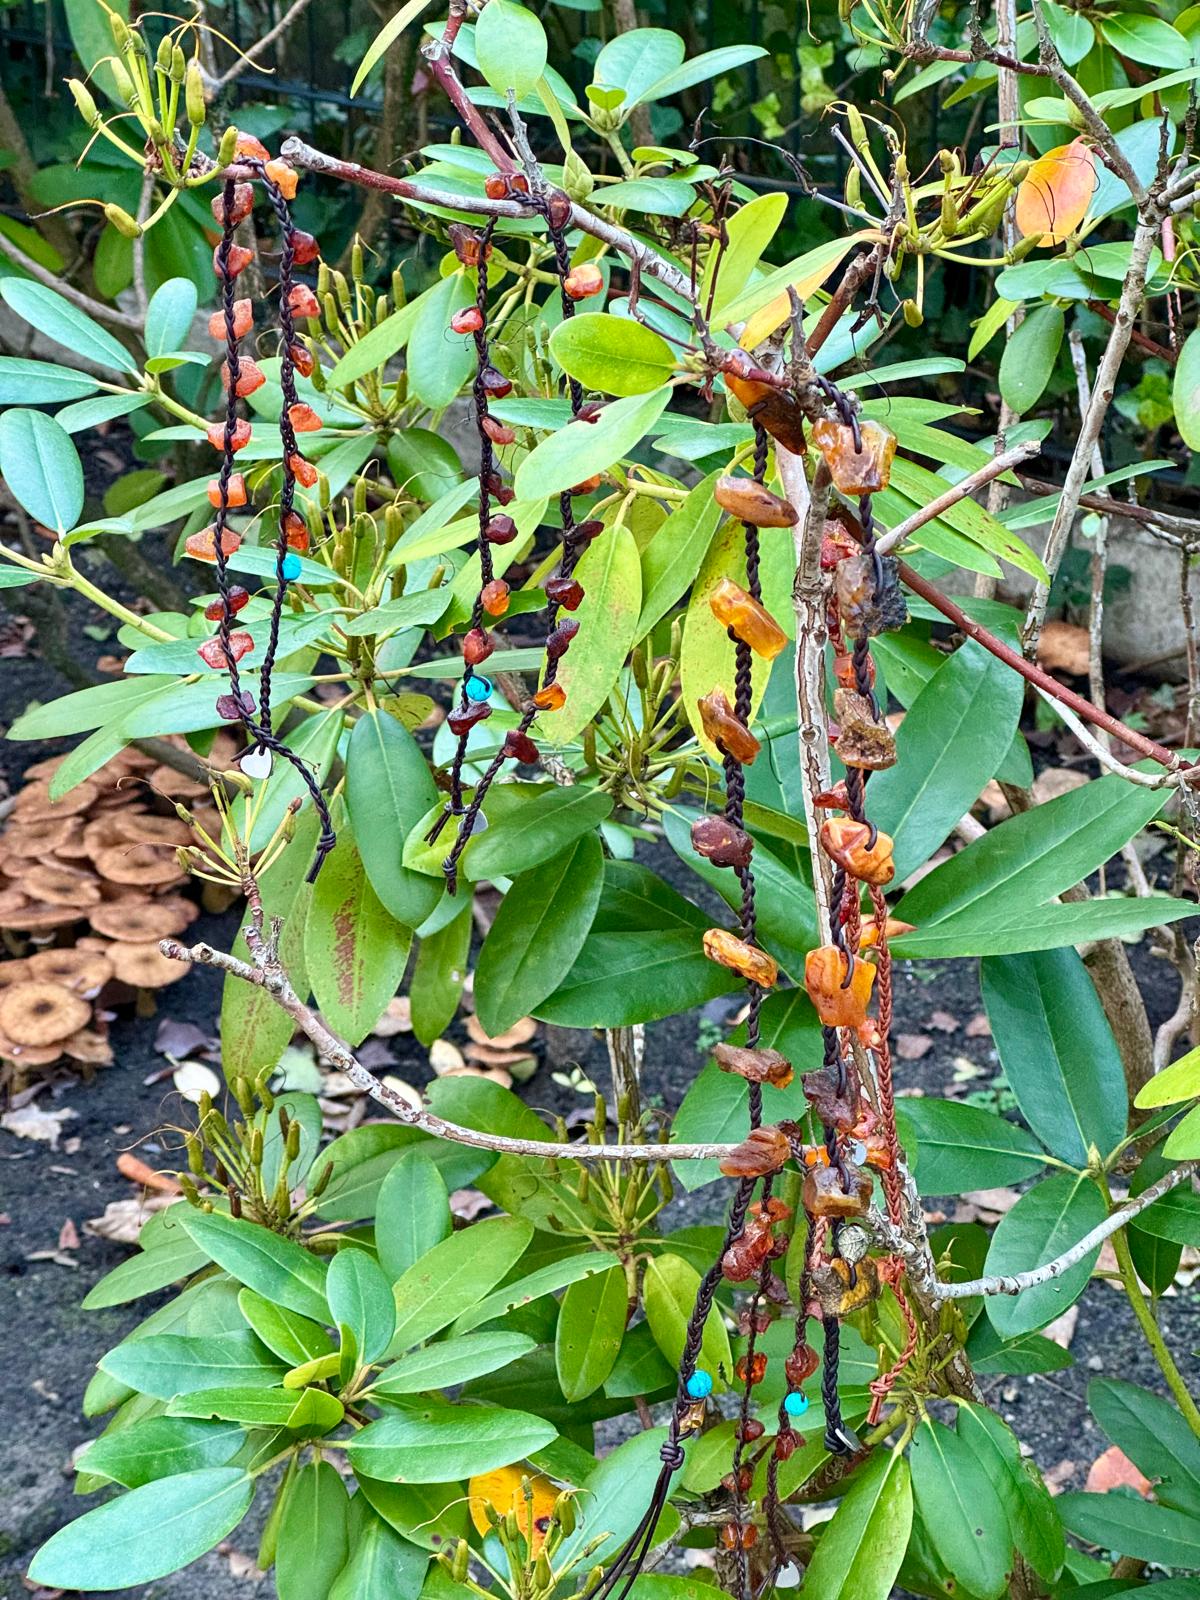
point(725, 730)
point(756, 1066)
point(752, 1370)
point(765, 1150)
point(739, 1535)
point(243, 321)
point(747, 617)
point(863, 471)
point(202, 546)
point(584, 282)
point(296, 531)
point(303, 418)
point(212, 651)
point(243, 205)
point(284, 178)
point(303, 471)
point(239, 441)
point(494, 597)
point(755, 965)
point(846, 842)
point(550, 697)
point(302, 302)
point(252, 148)
point(823, 1196)
point(751, 502)
point(250, 377)
point(838, 1007)
point(235, 493)
point(893, 928)
point(801, 1365)
point(239, 259)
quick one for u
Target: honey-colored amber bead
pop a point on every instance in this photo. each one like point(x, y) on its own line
point(284, 178)
point(751, 502)
point(242, 206)
point(747, 617)
point(303, 418)
point(477, 646)
point(862, 471)
point(778, 411)
point(848, 843)
point(250, 377)
point(296, 532)
point(239, 438)
point(756, 1066)
point(726, 731)
point(863, 741)
point(202, 546)
point(550, 697)
point(823, 1196)
point(493, 597)
point(893, 929)
point(238, 259)
point(765, 1150)
point(751, 1369)
point(303, 471)
point(753, 964)
point(235, 491)
point(838, 1007)
point(302, 302)
point(739, 1536)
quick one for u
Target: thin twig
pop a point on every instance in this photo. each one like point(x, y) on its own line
point(52, 280)
point(959, 491)
point(246, 59)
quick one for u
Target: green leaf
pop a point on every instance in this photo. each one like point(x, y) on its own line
point(311, 1411)
point(454, 1276)
point(451, 1361)
point(1047, 1220)
point(700, 68)
point(953, 738)
point(147, 1533)
point(538, 931)
point(815, 263)
point(579, 451)
point(378, 346)
point(1179, 1081)
point(41, 466)
point(530, 823)
point(669, 1293)
point(961, 1509)
point(620, 979)
point(262, 1260)
point(1029, 357)
point(591, 1325)
point(1023, 1356)
point(968, 519)
point(534, 1286)
point(360, 1298)
point(1028, 1505)
point(965, 1147)
point(385, 38)
point(355, 949)
point(439, 362)
point(1057, 1050)
point(1154, 1435)
point(437, 1442)
point(58, 320)
point(635, 59)
point(313, 1534)
point(1134, 1528)
point(510, 46)
point(169, 1364)
point(748, 231)
point(1183, 1142)
point(293, 1338)
point(861, 1548)
point(611, 575)
point(439, 975)
point(1186, 389)
point(422, 463)
point(672, 559)
point(1149, 40)
point(389, 788)
point(362, 1158)
point(614, 1496)
point(24, 381)
point(614, 354)
point(382, 1565)
point(175, 1258)
point(1175, 1217)
point(160, 1447)
point(413, 1214)
point(169, 316)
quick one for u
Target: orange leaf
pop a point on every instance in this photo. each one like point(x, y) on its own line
point(1054, 198)
point(501, 1490)
point(1114, 1470)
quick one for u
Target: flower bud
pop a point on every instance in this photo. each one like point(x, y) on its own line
point(129, 226)
point(193, 93)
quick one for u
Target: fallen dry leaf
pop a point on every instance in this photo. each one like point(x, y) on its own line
point(1056, 781)
point(1062, 1329)
point(68, 1236)
point(989, 1204)
point(520, 1033)
point(193, 1078)
point(445, 1057)
point(30, 1123)
point(496, 1074)
point(405, 1090)
point(1056, 1478)
point(396, 1019)
point(469, 1204)
point(979, 1027)
point(944, 1021)
point(123, 1220)
point(1114, 1470)
point(1063, 647)
point(912, 1046)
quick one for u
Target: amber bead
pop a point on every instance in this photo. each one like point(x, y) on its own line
point(202, 546)
point(305, 248)
point(835, 799)
point(725, 730)
point(787, 1442)
point(233, 707)
point(463, 718)
point(801, 1365)
point(751, 1369)
point(303, 418)
point(739, 1535)
point(285, 178)
point(251, 148)
point(302, 302)
point(240, 208)
point(756, 1066)
point(467, 244)
point(250, 377)
point(519, 746)
point(218, 608)
point(559, 641)
point(497, 432)
point(893, 929)
point(559, 209)
point(835, 1105)
point(751, 502)
point(564, 592)
point(739, 1482)
point(782, 416)
point(212, 651)
point(841, 1291)
point(753, 964)
point(303, 471)
point(240, 438)
point(587, 485)
point(866, 604)
point(495, 384)
point(722, 842)
point(505, 186)
point(824, 971)
point(751, 386)
point(477, 646)
point(846, 676)
point(863, 741)
point(747, 618)
point(862, 471)
point(239, 259)
point(501, 530)
point(591, 528)
point(494, 597)
point(468, 320)
point(584, 282)
point(302, 359)
point(751, 1430)
point(589, 411)
point(235, 491)
point(848, 843)
point(823, 1196)
point(764, 1150)
point(243, 321)
point(295, 531)
point(550, 697)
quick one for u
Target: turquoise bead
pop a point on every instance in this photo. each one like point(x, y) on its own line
point(478, 688)
point(291, 567)
point(699, 1385)
point(795, 1403)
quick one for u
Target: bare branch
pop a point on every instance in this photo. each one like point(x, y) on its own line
point(959, 491)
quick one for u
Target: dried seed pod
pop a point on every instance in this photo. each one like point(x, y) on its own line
point(751, 502)
point(747, 618)
point(848, 843)
point(564, 592)
point(824, 972)
point(822, 1194)
point(755, 965)
point(243, 321)
point(866, 470)
point(235, 491)
point(756, 1066)
point(863, 741)
point(726, 731)
point(722, 842)
point(212, 651)
point(764, 1150)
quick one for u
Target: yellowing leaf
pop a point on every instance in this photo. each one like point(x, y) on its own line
point(1054, 198)
point(502, 1491)
point(765, 306)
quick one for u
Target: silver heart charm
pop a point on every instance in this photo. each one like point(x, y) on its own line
point(256, 763)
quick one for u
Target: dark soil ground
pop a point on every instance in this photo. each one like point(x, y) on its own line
point(51, 1345)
